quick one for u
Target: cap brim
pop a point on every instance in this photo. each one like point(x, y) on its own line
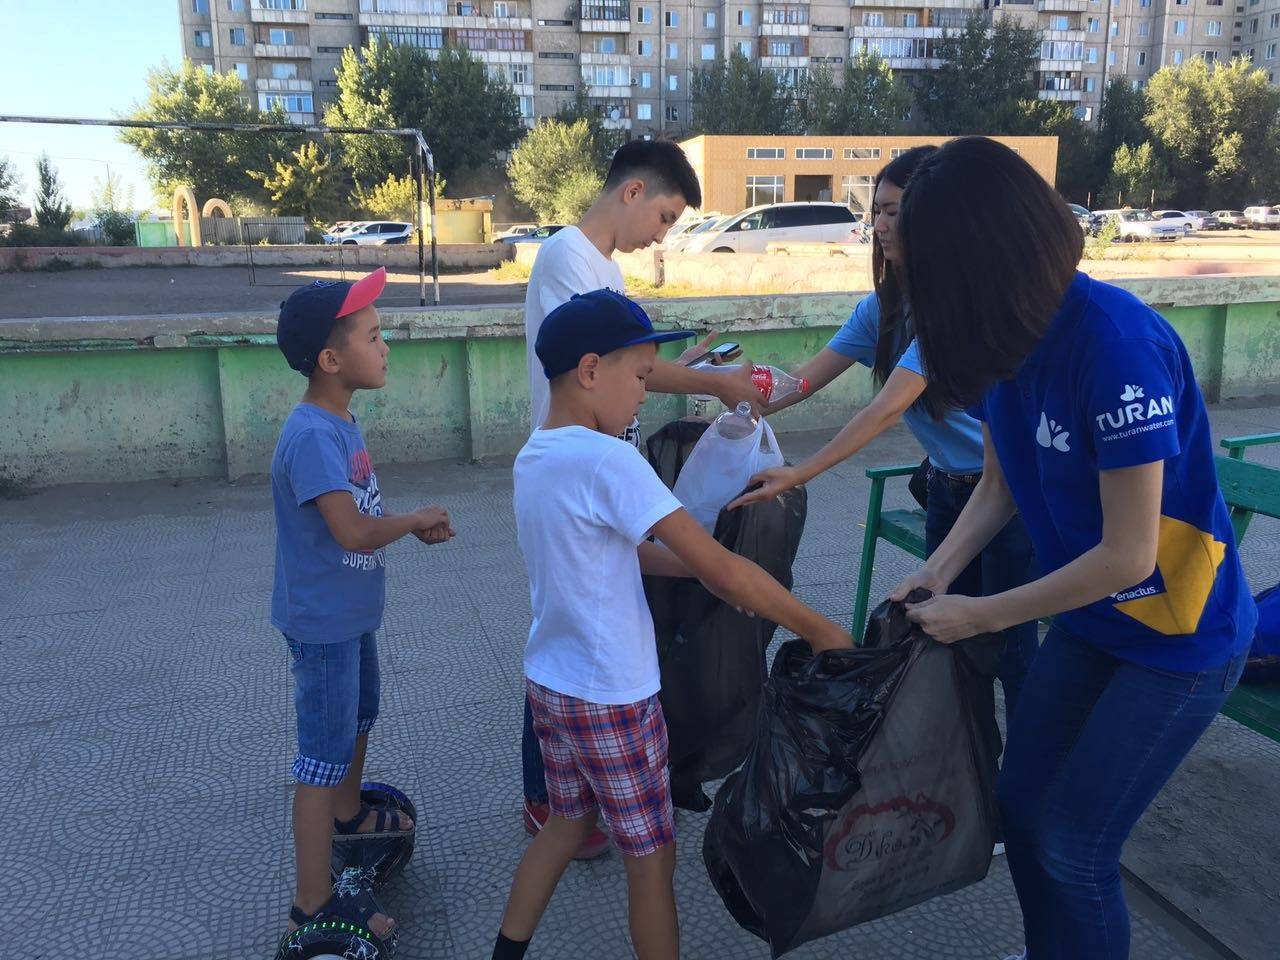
point(666, 337)
point(363, 292)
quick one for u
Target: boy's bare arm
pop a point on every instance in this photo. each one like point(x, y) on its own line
point(657, 561)
point(740, 582)
point(357, 531)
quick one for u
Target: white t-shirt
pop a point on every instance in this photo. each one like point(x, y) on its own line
point(584, 502)
point(568, 263)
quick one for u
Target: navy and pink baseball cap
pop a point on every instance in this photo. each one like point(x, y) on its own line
point(598, 322)
point(307, 317)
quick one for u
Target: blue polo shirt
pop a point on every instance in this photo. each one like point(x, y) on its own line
point(1111, 386)
point(954, 443)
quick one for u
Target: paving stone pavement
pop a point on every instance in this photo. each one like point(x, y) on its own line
point(146, 729)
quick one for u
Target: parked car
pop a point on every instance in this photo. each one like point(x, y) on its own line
point(693, 233)
point(751, 231)
point(1231, 219)
point(1082, 215)
point(1263, 218)
point(684, 226)
point(515, 231)
point(375, 232)
point(1204, 220)
point(1176, 217)
point(541, 234)
point(340, 229)
point(1140, 225)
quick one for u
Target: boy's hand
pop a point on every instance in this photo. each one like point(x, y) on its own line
point(430, 517)
point(736, 386)
point(434, 535)
point(832, 637)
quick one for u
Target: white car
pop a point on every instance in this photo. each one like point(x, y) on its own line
point(1263, 217)
point(1187, 224)
point(1204, 220)
point(515, 231)
point(751, 231)
point(682, 242)
point(684, 226)
point(1140, 225)
point(340, 229)
point(375, 232)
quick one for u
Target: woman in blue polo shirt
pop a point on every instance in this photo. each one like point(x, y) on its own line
point(1097, 434)
point(878, 335)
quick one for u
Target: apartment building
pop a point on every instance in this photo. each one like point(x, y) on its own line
point(635, 58)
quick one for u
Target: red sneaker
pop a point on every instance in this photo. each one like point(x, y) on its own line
point(535, 817)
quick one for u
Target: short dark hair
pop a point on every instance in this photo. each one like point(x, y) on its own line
point(983, 282)
point(658, 162)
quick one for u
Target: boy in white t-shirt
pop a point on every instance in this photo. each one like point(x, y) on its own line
point(585, 503)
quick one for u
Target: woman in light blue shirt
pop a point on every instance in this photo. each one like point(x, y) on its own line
point(879, 335)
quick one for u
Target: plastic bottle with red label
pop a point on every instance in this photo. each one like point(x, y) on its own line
point(772, 382)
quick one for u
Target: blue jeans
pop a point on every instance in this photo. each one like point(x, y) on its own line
point(1006, 562)
point(1090, 747)
point(535, 773)
point(335, 694)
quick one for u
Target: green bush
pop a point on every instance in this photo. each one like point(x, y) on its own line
point(117, 228)
point(25, 235)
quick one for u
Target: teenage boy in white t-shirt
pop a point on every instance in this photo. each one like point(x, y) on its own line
point(649, 184)
point(585, 504)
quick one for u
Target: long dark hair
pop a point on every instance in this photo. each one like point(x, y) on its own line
point(895, 332)
point(983, 284)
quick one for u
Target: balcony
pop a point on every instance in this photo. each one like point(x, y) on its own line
point(1060, 66)
point(278, 11)
point(605, 59)
point(381, 18)
point(597, 25)
point(784, 30)
point(497, 56)
point(282, 51)
point(967, 5)
point(783, 63)
point(284, 86)
point(1062, 6)
point(896, 33)
point(1072, 96)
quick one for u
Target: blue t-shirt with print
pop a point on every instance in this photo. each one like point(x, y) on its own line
point(1111, 386)
point(323, 593)
point(954, 443)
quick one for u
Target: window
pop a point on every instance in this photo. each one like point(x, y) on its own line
point(502, 9)
point(1210, 56)
point(1144, 28)
point(856, 192)
point(764, 190)
point(1059, 23)
point(673, 82)
point(281, 38)
point(1179, 28)
point(1094, 24)
point(644, 14)
point(744, 48)
point(200, 6)
point(708, 51)
point(1115, 28)
point(671, 18)
point(766, 153)
point(1111, 58)
point(1274, 22)
point(1090, 84)
point(333, 16)
point(283, 4)
point(519, 72)
point(1253, 26)
point(1181, 3)
point(784, 48)
point(646, 79)
point(911, 19)
point(235, 6)
point(673, 114)
point(1177, 57)
point(873, 19)
point(526, 108)
point(1213, 28)
point(709, 19)
point(896, 152)
point(1061, 50)
point(606, 44)
point(237, 36)
point(1091, 55)
point(554, 55)
point(555, 23)
point(290, 102)
point(556, 87)
point(673, 51)
point(475, 38)
point(644, 48)
point(1142, 58)
point(813, 153)
point(1086, 113)
point(644, 111)
point(1271, 51)
point(744, 18)
point(284, 71)
point(204, 38)
point(207, 68)
point(607, 75)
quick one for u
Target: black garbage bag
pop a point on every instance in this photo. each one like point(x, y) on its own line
point(711, 656)
point(870, 786)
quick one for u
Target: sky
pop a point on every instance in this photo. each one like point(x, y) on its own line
point(80, 58)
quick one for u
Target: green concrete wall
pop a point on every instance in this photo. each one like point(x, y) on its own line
point(135, 398)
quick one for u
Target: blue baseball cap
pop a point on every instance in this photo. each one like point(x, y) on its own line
point(308, 315)
point(598, 322)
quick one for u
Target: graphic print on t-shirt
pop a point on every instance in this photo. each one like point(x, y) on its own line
point(1173, 599)
point(368, 498)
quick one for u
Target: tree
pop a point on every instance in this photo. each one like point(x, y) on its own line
point(467, 115)
point(1123, 109)
point(986, 71)
point(212, 164)
point(1216, 128)
point(395, 198)
point(52, 209)
point(606, 142)
point(554, 172)
point(305, 184)
point(1078, 172)
point(111, 208)
point(9, 184)
point(869, 101)
point(1137, 174)
point(735, 96)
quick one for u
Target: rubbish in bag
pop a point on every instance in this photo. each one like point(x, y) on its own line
point(722, 462)
point(1263, 665)
point(712, 657)
point(870, 787)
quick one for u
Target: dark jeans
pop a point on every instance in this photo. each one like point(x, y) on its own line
point(535, 774)
point(1006, 562)
point(1090, 747)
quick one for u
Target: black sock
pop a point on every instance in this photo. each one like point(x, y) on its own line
point(506, 949)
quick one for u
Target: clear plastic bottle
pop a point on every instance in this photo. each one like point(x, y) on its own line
point(773, 383)
point(736, 424)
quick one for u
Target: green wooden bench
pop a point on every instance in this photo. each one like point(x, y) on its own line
point(1248, 488)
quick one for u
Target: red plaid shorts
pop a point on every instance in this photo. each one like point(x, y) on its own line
point(607, 756)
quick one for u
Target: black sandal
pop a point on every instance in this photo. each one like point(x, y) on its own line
point(342, 922)
point(388, 822)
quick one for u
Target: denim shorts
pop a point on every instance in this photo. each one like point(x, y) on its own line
point(335, 694)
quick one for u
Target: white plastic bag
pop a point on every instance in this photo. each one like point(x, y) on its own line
point(718, 469)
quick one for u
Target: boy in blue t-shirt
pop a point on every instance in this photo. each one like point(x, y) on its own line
point(331, 531)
